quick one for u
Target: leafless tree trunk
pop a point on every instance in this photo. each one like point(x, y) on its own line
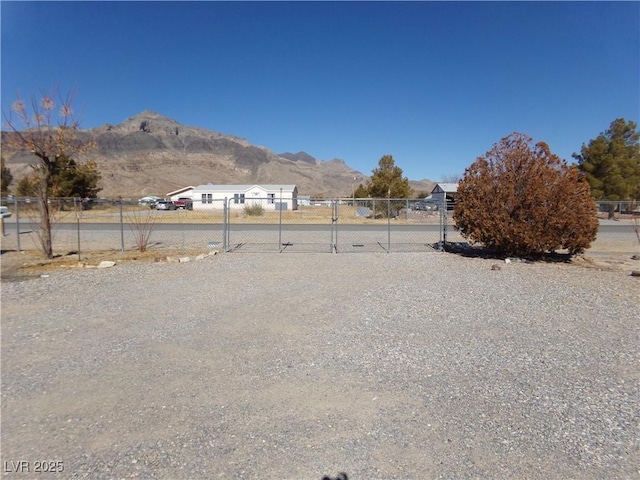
point(37, 132)
point(46, 241)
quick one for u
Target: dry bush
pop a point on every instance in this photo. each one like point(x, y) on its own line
point(253, 210)
point(520, 199)
point(142, 223)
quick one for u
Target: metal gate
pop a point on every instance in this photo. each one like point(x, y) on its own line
point(334, 226)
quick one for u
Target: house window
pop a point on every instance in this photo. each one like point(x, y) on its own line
point(238, 198)
point(207, 198)
point(271, 197)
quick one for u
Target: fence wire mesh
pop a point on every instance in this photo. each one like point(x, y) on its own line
point(341, 225)
point(113, 224)
point(267, 225)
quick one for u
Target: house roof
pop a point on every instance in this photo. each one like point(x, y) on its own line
point(445, 187)
point(180, 190)
point(209, 187)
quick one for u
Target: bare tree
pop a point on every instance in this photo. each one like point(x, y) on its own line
point(452, 178)
point(48, 131)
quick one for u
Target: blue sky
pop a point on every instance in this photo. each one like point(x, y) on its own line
point(435, 84)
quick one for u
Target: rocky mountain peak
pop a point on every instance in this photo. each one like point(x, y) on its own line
point(299, 157)
point(149, 121)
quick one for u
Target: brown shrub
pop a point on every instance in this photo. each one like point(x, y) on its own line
point(520, 199)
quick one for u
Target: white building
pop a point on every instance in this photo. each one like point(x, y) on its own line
point(270, 197)
point(442, 191)
point(304, 200)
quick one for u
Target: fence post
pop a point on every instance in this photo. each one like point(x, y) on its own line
point(121, 227)
point(443, 217)
point(389, 221)
point(336, 216)
point(75, 201)
point(225, 226)
point(16, 203)
point(332, 243)
point(280, 222)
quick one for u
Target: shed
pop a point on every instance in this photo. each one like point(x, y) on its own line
point(445, 190)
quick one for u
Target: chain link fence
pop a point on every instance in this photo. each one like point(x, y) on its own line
point(266, 225)
point(619, 231)
point(339, 225)
point(112, 224)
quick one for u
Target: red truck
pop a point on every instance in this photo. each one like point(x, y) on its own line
point(184, 203)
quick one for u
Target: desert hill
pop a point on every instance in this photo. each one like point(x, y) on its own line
point(152, 154)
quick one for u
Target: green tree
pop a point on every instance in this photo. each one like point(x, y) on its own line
point(387, 180)
point(521, 199)
point(48, 132)
point(28, 186)
point(68, 179)
point(361, 192)
point(73, 179)
point(6, 178)
point(611, 162)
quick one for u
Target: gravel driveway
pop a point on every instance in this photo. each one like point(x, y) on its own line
point(408, 366)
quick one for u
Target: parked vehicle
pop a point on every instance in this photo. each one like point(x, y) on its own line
point(422, 205)
point(184, 203)
point(150, 201)
point(166, 205)
point(88, 203)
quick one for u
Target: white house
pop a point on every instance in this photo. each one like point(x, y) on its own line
point(444, 190)
point(270, 197)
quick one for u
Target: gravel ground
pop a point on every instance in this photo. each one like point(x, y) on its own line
point(409, 365)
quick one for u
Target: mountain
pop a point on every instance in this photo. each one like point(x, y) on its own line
point(298, 157)
point(153, 154)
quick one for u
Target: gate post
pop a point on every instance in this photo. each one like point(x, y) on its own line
point(121, 227)
point(225, 226)
point(16, 203)
point(389, 221)
point(443, 221)
point(333, 246)
point(76, 205)
point(280, 222)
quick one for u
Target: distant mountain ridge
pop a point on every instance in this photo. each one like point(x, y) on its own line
point(150, 153)
point(298, 157)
